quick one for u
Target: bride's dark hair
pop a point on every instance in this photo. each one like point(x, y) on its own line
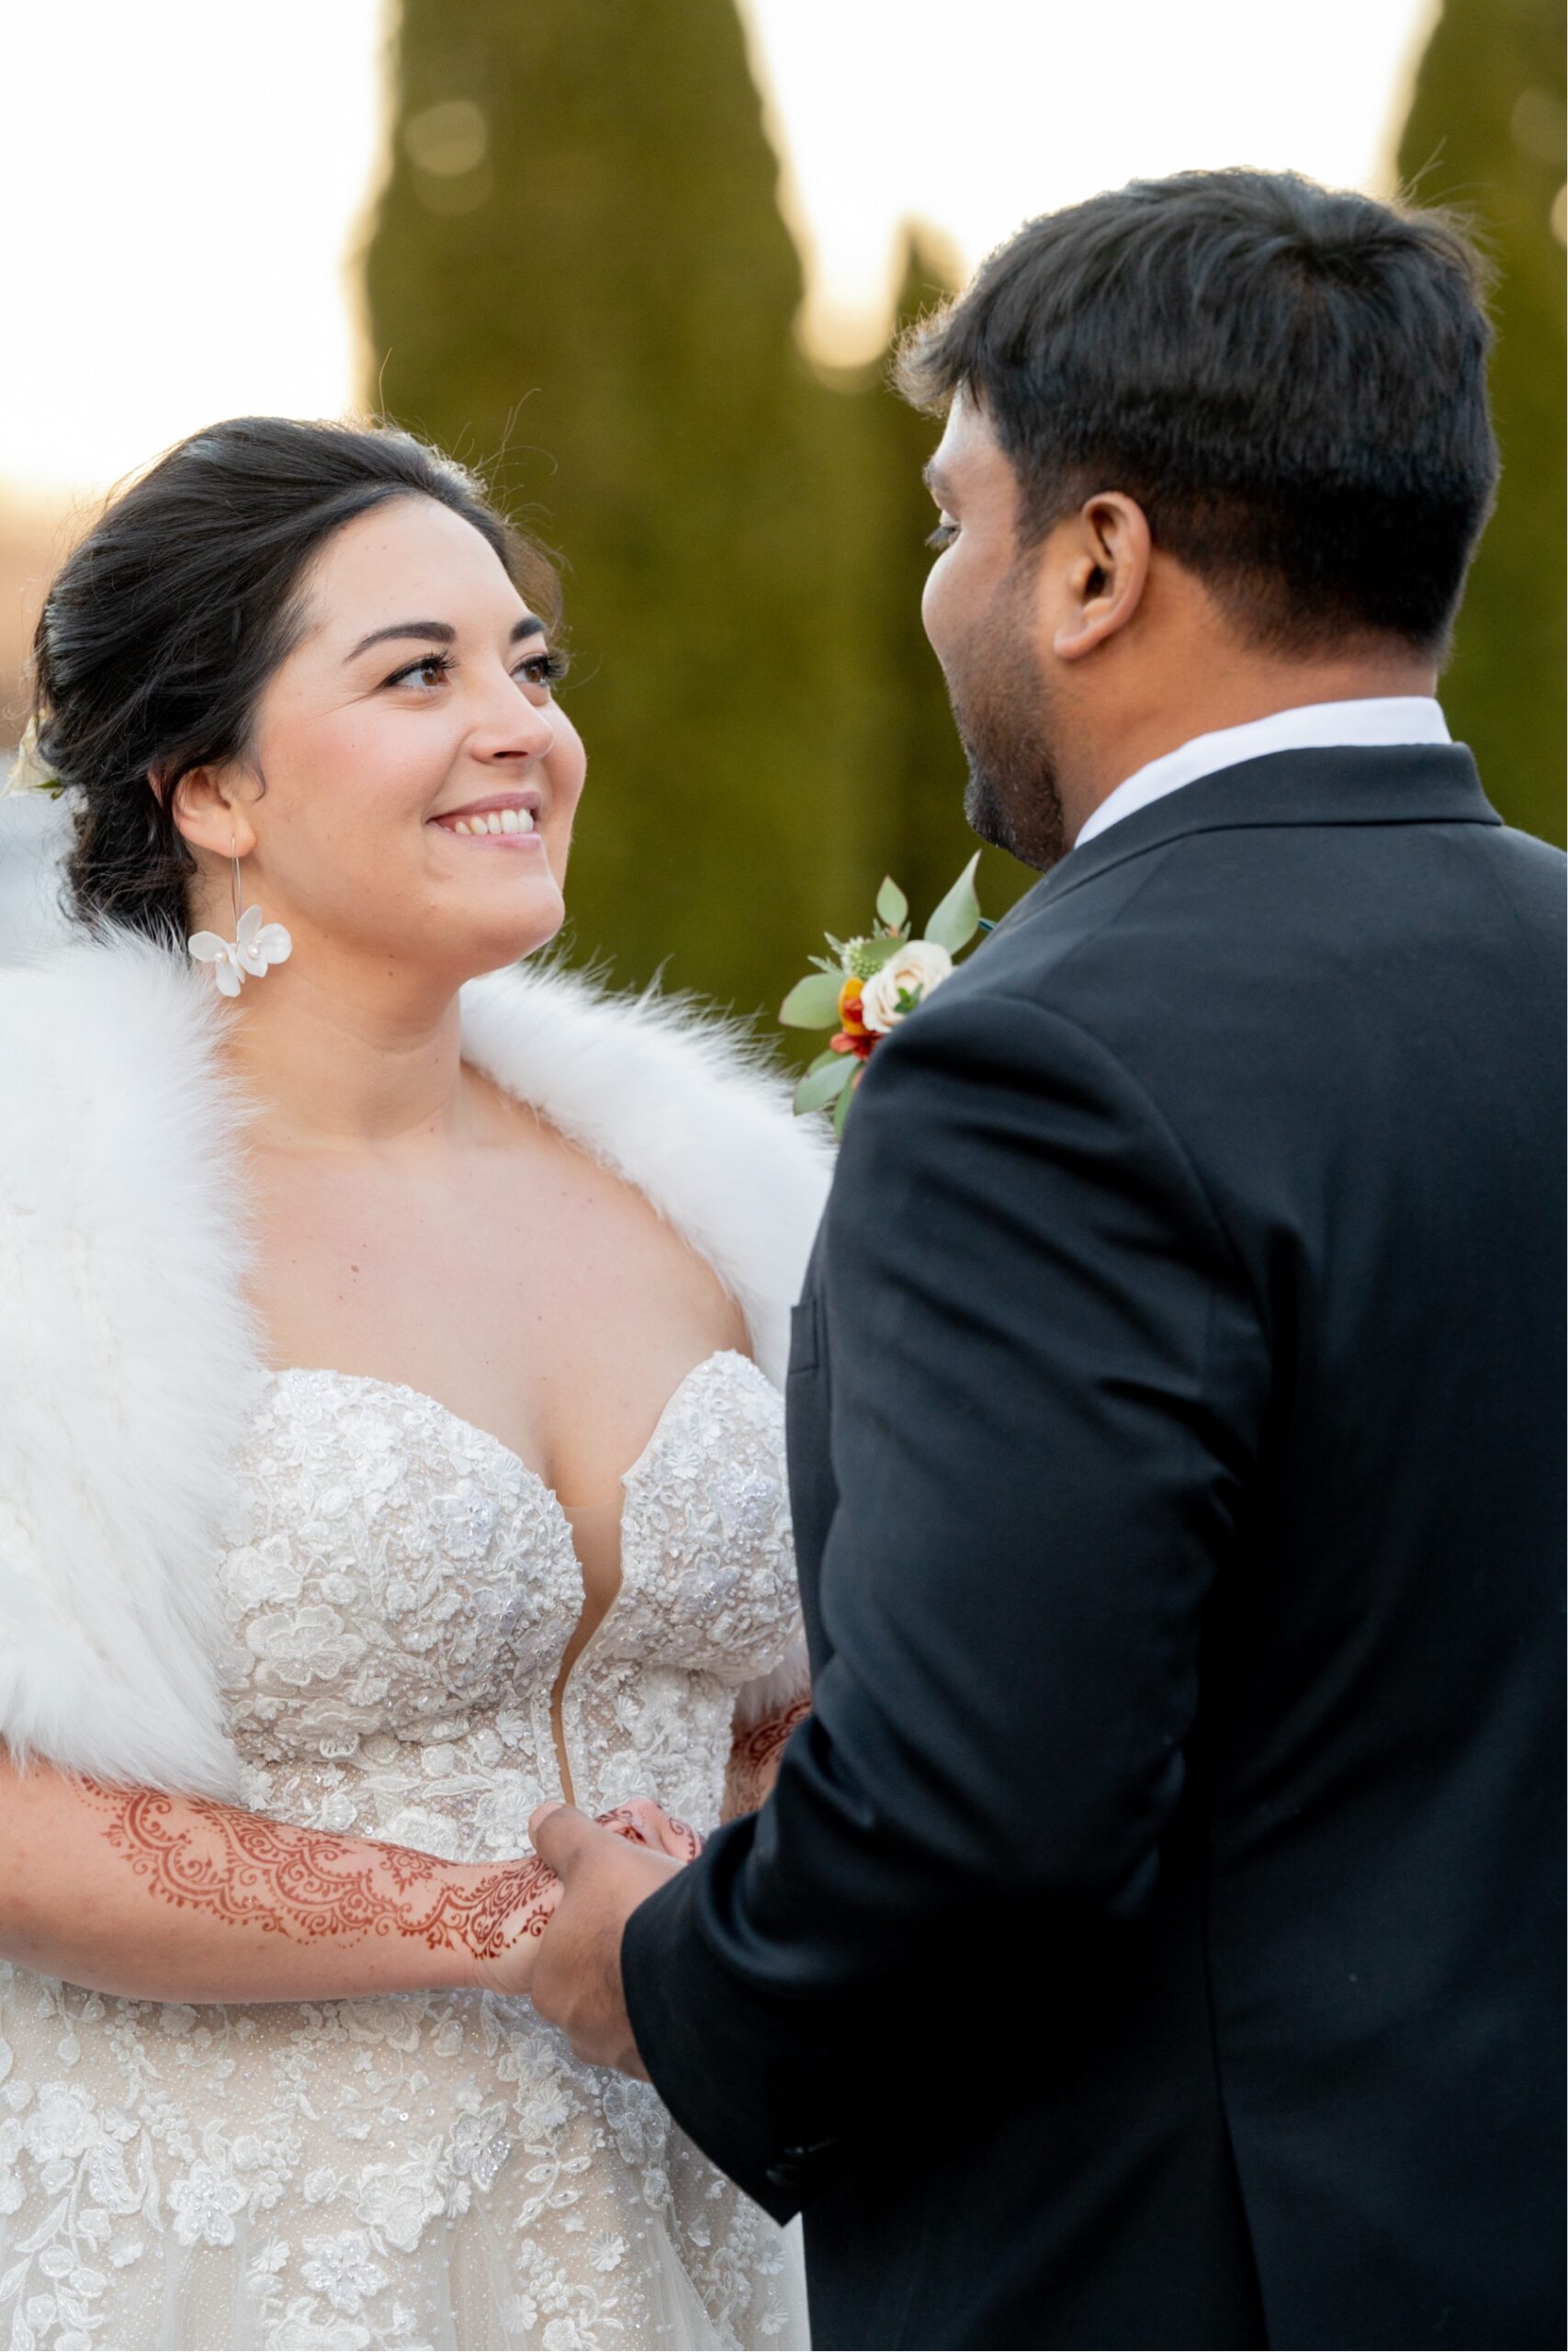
point(166, 621)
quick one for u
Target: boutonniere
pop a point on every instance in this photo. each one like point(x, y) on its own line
point(870, 985)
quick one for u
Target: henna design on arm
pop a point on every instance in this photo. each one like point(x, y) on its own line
point(641, 1821)
point(754, 1760)
point(247, 1870)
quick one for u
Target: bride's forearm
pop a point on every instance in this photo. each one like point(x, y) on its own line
point(754, 1760)
point(162, 1897)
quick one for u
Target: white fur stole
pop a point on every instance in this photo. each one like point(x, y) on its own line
point(130, 1362)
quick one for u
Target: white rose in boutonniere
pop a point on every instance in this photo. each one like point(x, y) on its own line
point(894, 992)
point(867, 986)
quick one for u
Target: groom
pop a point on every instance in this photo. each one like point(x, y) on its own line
point(1155, 1935)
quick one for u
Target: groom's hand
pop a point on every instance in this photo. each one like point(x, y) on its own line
point(576, 1982)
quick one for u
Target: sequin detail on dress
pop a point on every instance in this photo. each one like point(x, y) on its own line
point(431, 2168)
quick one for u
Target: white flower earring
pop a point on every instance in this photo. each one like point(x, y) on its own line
point(256, 947)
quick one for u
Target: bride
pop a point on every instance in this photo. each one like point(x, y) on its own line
point(388, 1441)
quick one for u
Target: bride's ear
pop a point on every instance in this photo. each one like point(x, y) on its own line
point(208, 812)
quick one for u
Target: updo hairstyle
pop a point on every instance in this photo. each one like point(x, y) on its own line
point(165, 623)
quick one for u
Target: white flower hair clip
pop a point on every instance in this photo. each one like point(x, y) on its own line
point(27, 772)
point(254, 948)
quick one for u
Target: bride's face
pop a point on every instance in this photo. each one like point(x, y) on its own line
point(417, 699)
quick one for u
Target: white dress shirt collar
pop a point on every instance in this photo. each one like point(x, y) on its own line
point(1313, 726)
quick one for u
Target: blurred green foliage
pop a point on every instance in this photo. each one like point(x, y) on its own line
point(1486, 133)
point(579, 279)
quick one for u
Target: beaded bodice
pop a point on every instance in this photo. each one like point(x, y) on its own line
point(399, 1590)
point(429, 2168)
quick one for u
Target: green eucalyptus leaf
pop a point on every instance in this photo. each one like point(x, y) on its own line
point(892, 905)
point(823, 1059)
point(820, 1087)
point(957, 918)
point(842, 1107)
point(813, 1004)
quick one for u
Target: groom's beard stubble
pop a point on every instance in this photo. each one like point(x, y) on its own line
point(999, 708)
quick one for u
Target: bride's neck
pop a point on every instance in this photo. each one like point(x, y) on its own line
point(340, 1061)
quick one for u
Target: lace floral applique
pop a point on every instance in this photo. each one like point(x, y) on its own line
point(430, 2167)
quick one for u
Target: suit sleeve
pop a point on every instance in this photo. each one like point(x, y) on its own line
point(1046, 1383)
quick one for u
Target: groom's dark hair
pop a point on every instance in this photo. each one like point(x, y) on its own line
point(1290, 380)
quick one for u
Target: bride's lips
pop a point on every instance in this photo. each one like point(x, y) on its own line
point(507, 821)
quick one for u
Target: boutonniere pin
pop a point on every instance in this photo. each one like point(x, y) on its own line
point(870, 985)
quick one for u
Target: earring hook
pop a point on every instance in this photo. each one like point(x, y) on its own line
point(256, 948)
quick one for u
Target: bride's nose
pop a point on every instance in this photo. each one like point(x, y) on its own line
point(513, 728)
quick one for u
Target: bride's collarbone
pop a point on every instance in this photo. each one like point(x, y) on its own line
point(558, 1318)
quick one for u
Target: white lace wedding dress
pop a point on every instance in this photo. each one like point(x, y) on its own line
point(424, 2169)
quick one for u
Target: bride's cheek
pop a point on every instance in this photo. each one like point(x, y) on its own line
point(558, 849)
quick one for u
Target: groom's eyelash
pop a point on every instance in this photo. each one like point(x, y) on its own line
point(943, 537)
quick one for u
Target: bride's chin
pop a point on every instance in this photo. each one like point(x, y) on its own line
point(496, 938)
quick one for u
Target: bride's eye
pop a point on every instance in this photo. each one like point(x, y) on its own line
point(943, 537)
point(543, 669)
point(430, 669)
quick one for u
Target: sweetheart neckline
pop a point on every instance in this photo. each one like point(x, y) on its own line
point(537, 1477)
point(279, 1373)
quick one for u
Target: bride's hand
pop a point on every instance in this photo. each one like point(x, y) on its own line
point(521, 1896)
point(648, 1823)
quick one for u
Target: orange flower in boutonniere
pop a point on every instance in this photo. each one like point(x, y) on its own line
point(853, 1037)
point(873, 985)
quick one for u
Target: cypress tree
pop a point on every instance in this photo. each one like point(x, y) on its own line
point(1485, 131)
point(580, 259)
point(579, 265)
point(909, 742)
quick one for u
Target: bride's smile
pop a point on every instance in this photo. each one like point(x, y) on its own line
point(484, 1525)
point(412, 722)
point(507, 819)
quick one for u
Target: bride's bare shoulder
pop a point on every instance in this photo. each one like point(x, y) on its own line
point(685, 1108)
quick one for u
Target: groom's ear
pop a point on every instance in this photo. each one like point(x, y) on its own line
point(1100, 557)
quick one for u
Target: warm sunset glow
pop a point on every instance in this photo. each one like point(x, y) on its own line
point(194, 179)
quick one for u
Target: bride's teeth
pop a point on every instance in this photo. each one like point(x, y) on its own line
point(496, 821)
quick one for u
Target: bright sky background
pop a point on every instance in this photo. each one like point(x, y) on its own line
point(187, 179)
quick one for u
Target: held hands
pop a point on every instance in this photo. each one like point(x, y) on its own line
point(605, 1870)
point(527, 1891)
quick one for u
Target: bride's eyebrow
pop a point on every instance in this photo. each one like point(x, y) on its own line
point(439, 633)
point(436, 632)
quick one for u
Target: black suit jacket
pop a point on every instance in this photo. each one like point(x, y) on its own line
point(1154, 1936)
